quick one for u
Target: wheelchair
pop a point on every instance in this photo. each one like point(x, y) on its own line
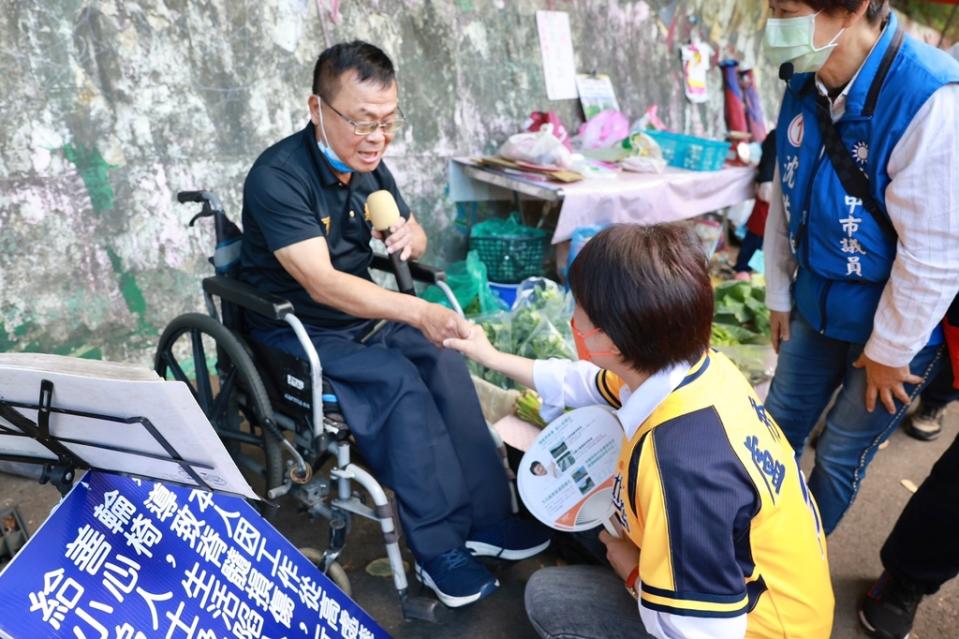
point(275, 414)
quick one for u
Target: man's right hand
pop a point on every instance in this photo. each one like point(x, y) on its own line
point(439, 323)
point(779, 328)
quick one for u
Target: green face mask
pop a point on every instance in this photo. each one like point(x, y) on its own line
point(792, 40)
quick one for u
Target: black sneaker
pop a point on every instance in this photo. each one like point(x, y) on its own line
point(889, 607)
point(925, 423)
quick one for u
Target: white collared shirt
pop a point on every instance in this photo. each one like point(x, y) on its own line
point(837, 105)
point(562, 384)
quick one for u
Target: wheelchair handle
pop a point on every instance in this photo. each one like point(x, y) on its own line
point(212, 207)
point(200, 197)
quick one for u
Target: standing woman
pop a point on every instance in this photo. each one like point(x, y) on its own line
point(862, 256)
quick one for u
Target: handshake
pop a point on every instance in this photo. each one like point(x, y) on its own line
point(439, 323)
point(447, 329)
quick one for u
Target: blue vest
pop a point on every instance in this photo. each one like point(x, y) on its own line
point(845, 256)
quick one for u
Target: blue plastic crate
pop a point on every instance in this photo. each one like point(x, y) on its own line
point(688, 152)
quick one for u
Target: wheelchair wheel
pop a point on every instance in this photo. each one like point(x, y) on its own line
point(232, 397)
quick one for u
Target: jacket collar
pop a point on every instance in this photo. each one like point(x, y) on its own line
point(639, 404)
point(862, 83)
point(857, 92)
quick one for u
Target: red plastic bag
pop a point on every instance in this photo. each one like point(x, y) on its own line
point(538, 118)
point(952, 344)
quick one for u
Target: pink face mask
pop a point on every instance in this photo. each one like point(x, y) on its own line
point(580, 338)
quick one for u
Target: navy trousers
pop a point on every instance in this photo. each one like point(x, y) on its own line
point(751, 243)
point(413, 411)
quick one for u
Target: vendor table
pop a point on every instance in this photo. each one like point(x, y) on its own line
point(643, 198)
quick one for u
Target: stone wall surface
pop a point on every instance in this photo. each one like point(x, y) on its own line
point(112, 106)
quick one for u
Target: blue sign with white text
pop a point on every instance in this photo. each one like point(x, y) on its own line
point(124, 558)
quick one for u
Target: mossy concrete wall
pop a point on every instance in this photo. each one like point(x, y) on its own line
point(111, 106)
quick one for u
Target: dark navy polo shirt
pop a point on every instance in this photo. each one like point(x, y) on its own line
point(291, 195)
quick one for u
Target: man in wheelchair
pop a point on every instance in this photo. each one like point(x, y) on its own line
point(411, 405)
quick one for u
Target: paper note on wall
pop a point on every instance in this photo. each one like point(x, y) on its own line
point(596, 94)
point(695, 70)
point(556, 44)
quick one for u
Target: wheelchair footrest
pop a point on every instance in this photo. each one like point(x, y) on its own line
point(423, 609)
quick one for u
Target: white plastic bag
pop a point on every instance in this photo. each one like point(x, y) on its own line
point(540, 147)
point(647, 155)
point(638, 164)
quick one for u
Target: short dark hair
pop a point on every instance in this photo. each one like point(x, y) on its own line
point(877, 11)
point(648, 289)
point(369, 62)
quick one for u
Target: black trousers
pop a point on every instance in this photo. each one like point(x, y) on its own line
point(413, 411)
point(940, 390)
point(923, 548)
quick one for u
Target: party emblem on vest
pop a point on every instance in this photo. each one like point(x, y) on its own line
point(860, 152)
point(796, 128)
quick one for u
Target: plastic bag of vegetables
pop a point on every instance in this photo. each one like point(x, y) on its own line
point(498, 329)
point(470, 284)
point(756, 361)
point(540, 338)
point(541, 320)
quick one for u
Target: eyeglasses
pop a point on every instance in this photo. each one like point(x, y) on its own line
point(366, 128)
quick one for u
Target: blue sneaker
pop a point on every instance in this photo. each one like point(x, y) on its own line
point(457, 578)
point(512, 539)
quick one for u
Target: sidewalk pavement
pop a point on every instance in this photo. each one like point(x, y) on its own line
point(853, 553)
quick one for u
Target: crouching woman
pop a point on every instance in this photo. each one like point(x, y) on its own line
point(720, 537)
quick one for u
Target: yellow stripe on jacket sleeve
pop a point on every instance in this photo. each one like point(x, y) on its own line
point(609, 384)
point(693, 605)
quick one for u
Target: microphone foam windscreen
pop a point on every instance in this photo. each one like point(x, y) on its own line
point(382, 210)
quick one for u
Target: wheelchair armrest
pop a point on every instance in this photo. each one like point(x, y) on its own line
point(245, 296)
point(420, 272)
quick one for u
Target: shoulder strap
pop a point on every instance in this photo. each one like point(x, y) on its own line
point(853, 178)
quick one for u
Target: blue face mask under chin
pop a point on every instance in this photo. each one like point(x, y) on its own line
point(338, 165)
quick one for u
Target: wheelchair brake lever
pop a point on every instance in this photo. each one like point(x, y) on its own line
point(206, 212)
point(279, 491)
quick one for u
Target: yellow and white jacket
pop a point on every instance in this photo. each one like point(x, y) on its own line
point(708, 488)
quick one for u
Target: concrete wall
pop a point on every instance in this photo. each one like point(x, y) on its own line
point(111, 106)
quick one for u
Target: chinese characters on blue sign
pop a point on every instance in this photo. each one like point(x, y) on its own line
point(125, 558)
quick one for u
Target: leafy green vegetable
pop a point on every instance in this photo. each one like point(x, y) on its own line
point(538, 328)
point(741, 315)
point(527, 408)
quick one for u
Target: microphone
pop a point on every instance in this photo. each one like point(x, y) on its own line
point(383, 212)
point(786, 71)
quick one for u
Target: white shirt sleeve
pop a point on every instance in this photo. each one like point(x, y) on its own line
point(780, 261)
point(923, 204)
point(664, 625)
point(563, 383)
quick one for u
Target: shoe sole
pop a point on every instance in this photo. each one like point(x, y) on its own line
point(922, 435)
point(872, 632)
point(480, 549)
point(452, 601)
